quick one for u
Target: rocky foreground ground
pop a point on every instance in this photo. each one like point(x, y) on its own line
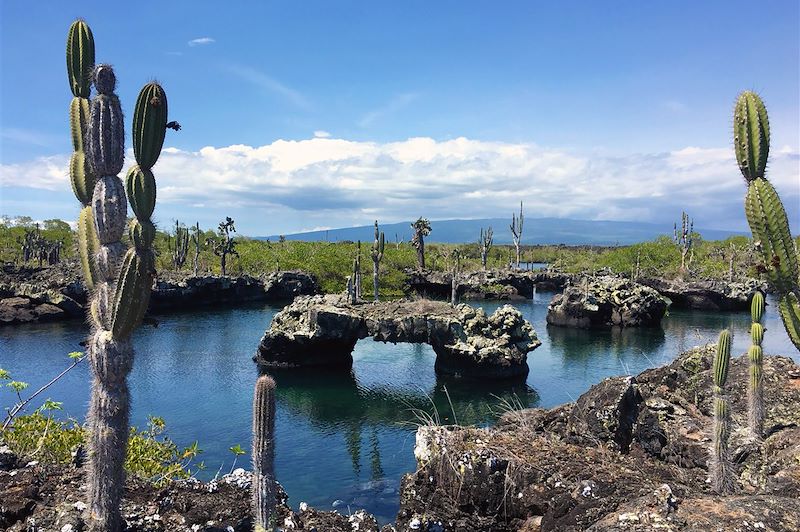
point(629, 455)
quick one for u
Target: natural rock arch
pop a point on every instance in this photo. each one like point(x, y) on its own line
point(323, 330)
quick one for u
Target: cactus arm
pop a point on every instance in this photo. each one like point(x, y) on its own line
point(80, 58)
point(755, 390)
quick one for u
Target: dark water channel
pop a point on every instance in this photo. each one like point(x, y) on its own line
point(345, 439)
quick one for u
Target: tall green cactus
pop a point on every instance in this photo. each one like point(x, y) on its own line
point(756, 355)
point(720, 467)
point(263, 487)
point(377, 254)
point(121, 277)
point(80, 64)
point(764, 210)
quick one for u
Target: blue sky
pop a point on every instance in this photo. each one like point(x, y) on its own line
point(302, 115)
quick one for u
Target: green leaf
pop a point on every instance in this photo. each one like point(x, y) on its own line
point(5, 375)
point(75, 355)
point(17, 386)
point(237, 450)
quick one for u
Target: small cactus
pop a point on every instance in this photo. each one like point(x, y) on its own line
point(485, 244)
point(765, 213)
point(263, 487)
point(684, 240)
point(721, 467)
point(516, 231)
point(422, 228)
point(756, 355)
point(378, 247)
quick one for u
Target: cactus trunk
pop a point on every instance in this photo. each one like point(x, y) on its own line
point(108, 418)
point(264, 453)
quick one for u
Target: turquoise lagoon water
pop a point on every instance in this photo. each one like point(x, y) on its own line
point(344, 440)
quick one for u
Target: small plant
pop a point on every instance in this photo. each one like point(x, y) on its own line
point(422, 228)
point(19, 386)
point(721, 467)
point(765, 213)
point(264, 453)
point(378, 245)
point(684, 241)
point(516, 231)
point(756, 355)
point(237, 452)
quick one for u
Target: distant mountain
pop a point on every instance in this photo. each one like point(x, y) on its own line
point(536, 231)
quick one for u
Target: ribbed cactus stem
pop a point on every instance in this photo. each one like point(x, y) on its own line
point(264, 453)
point(111, 361)
point(765, 213)
point(751, 135)
point(111, 355)
point(80, 58)
point(721, 467)
point(755, 391)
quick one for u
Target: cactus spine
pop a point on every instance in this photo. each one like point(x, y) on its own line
point(721, 467)
point(765, 213)
point(378, 246)
point(756, 355)
point(264, 453)
point(485, 244)
point(80, 64)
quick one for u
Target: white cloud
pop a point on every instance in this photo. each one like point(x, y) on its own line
point(320, 134)
point(330, 182)
point(201, 41)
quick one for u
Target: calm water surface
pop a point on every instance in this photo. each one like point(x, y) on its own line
point(345, 439)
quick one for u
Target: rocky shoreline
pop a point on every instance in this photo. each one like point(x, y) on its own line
point(519, 285)
point(630, 454)
point(323, 330)
point(58, 293)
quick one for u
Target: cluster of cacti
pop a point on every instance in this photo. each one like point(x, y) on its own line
point(765, 213)
point(684, 240)
point(516, 232)
point(181, 250)
point(721, 467)
point(224, 245)
point(756, 356)
point(197, 240)
point(263, 487)
point(34, 246)
point(485, 244)
point(422, 228)
point(121, 278)
point(378, 246)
